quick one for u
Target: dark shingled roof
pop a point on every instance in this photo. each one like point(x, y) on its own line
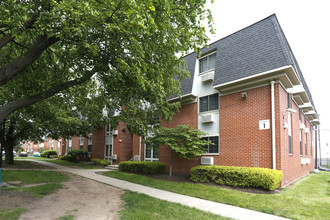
point(255, 49)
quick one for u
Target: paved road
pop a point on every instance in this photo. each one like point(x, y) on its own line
point(201, 204)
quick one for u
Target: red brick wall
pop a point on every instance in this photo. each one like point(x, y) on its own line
point(241, 141)
point(98, 143)
point(187, 115)
point(291, 164)
point(123, 144)
point(75, 143)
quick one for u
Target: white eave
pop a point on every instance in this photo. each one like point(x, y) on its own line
point(315, 122)
point(183, 99)
point(286, 75)
point(299, 94)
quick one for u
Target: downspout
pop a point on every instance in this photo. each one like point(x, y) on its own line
point(140, 148)
point(272, 91)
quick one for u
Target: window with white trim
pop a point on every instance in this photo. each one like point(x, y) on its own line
point(212, 148)
point(209, 103)
point(152, 153)
point(81, 142)
point(207, 63)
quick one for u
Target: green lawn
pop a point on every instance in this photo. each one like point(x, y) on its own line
point(308, 198)
point(140, 206)
point(61, 162)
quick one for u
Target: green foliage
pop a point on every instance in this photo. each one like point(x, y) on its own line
point(130, 47)
point(48, 153)
point(238, 176)
point(53, 156)
point(63, 157)
point(186, 141)
point(100, 162)
point(142, 167)
point(77, 155)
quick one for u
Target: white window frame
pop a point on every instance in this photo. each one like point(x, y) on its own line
point(151, 159)
point(208, 136)
point(206, 56)
point(208, 111)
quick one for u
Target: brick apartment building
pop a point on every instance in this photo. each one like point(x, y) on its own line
point(247, 92)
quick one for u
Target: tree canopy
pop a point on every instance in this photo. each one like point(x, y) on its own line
point(129, 48)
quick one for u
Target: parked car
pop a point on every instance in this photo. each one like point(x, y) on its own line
point(14, 154)
point(36, 154)
point(23, 154)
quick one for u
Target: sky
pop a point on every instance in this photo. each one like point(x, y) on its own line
point(306, 25)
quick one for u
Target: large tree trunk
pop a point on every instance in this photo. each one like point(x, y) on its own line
point(9, 158)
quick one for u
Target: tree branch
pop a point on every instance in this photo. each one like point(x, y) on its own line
point(21, 103)
point(8, 38)
point(15, 67)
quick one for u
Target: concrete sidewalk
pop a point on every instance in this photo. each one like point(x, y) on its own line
point(201, 204)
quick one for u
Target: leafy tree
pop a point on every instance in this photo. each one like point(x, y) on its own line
point(183, 140)
point(129, 47)
point(55, 117)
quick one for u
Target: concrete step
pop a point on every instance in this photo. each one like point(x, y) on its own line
point(112, 167)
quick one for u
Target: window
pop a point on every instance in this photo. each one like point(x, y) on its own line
point(152, 153)
point(212, 149)
point(306, 144)
point(89, 146)
point(70, 144)
point(301, 147)
point(81, 142)
point(108, 129)
point(207, 63)
point(209, 103)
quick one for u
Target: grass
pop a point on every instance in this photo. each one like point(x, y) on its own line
point(49, 180)
point(308, 198)
point(21, 164)
point(6, 214)
point(140, 206)
point(63, 163)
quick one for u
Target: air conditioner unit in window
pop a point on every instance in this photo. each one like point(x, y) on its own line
point(306, 130)
point(301, 126)
point(114, 157)
point(207, 118)
point(207, 160)
point(115, 132)
point(208, 77)
point(136, 158)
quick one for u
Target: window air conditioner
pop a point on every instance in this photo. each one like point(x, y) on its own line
point(207, 118)
point(306, 130)
point(301, 126)
point(115, 132)
point(114, 157)
point(208, 77)
point(136, 158)
point(302, 161)
point(207, 161)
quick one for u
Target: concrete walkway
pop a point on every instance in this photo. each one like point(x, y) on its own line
point(201, 204)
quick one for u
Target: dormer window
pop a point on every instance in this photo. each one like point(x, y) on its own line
point(207, 63)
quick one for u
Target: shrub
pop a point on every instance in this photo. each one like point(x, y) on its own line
point(48, 153)
point(100, 162)
point(53, 156)
point(63, 157)
point(238, 176)
point(77, 155)
point(142, 167)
